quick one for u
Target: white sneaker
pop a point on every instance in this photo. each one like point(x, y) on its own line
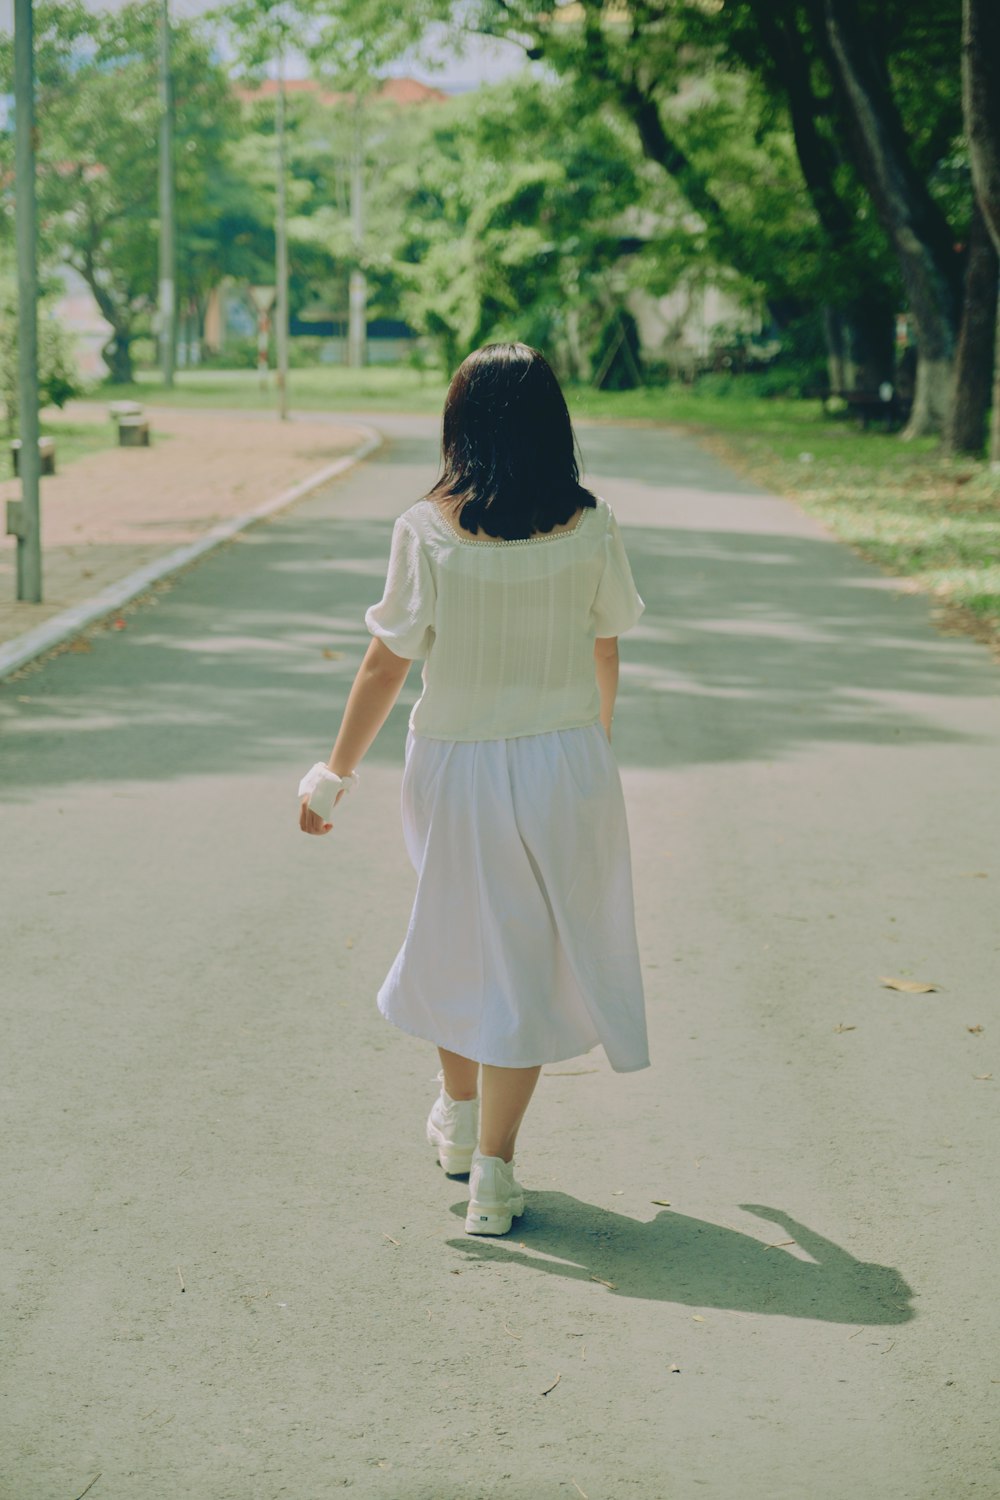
point(495, 1199)
point(453, 1127)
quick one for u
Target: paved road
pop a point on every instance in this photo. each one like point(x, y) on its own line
point(764, 1267)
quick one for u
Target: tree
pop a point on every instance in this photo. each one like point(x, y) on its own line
point(97, 160)
point(981, 102)
point(775, 40)
point(490, 247)
point(920, 233)
point(965, 427)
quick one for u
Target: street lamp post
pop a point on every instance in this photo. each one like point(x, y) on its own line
point(357, 296)
point(281, 239)
point(167, 300)
point(23, 516)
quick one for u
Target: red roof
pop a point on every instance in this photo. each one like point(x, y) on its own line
point(402, 91)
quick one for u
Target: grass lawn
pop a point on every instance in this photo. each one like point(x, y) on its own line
point(922, 516)
point(329, 388)
point(73, 440)
point(931, 519)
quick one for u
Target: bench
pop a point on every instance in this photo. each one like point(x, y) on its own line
point(46, 454)
point(119, 409)
point(884, 405)
point(133, 432)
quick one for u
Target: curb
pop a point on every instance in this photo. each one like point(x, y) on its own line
point(24, 648)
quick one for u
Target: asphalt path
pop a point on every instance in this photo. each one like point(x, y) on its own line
point(764, 1267)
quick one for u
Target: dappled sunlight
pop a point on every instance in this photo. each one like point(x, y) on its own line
point(758, 640)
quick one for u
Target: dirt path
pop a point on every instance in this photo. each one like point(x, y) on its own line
point(111, 512)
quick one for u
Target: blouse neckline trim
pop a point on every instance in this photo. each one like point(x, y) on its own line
point(524, 541)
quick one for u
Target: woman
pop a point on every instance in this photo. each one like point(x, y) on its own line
point(510, 582)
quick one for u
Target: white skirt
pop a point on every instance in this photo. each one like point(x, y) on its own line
point(521, 947)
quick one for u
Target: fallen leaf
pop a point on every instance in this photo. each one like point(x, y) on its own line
point(389, 1238)
point(578, 1489)
point(553, 1385)
point(333, 655)
point(973, 874)
point(907, 986)
point(779, 1244)
point(974, 1029)
point(697, 1318)
point(80, 644)
point(618, 1192)
point(661, 1202)
point(120, 624)
point(841, 1027)
point(601, 1282)
point(675, 1369)
point(982, 1077)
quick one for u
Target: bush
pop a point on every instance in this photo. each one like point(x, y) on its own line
point(779, 379)
point(58, 378)
point(239, 354)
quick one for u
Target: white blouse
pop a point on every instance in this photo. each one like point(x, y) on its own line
point(506, 629)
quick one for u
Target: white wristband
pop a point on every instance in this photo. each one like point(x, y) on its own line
point(321, 786)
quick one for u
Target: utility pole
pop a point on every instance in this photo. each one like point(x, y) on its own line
point(357, 325)
point(23, 516)
point(281, 237)
point(168, 302)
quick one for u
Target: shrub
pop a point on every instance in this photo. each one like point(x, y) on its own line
point(58, 378)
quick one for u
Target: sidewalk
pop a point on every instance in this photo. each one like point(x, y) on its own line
point(116, 511)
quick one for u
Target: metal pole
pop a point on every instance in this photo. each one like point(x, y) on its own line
point(357, 296)
point(168, 303)
point(23, 518)
point(281, 241)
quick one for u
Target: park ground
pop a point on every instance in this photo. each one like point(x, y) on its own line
point(932, 520)
point(764, 1267)
point(108, 512)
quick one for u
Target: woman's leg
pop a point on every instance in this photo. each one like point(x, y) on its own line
point(461, 1074)
point(506, 1095)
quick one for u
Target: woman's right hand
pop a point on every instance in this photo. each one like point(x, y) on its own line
point(311, 822)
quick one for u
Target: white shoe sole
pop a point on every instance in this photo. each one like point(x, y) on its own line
point(493, 1218)
point(456, 1161)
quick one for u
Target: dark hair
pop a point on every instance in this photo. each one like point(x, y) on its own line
point(508, 458)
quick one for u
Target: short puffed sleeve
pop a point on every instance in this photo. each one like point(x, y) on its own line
point(404, 617)
point(617, 605)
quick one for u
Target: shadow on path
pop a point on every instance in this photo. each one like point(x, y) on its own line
point(674, 1258)
point(751, 646)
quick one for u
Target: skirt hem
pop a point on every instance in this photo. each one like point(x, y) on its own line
point(489, 1063)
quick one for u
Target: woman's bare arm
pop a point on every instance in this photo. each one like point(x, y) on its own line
point(374, 691)
point(376, 687)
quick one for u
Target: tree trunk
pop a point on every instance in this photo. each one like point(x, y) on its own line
point(981, 103)
point(916, 226)
point(117, 355)
point(965, 430)
point(859, 341)
point(932, 396)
